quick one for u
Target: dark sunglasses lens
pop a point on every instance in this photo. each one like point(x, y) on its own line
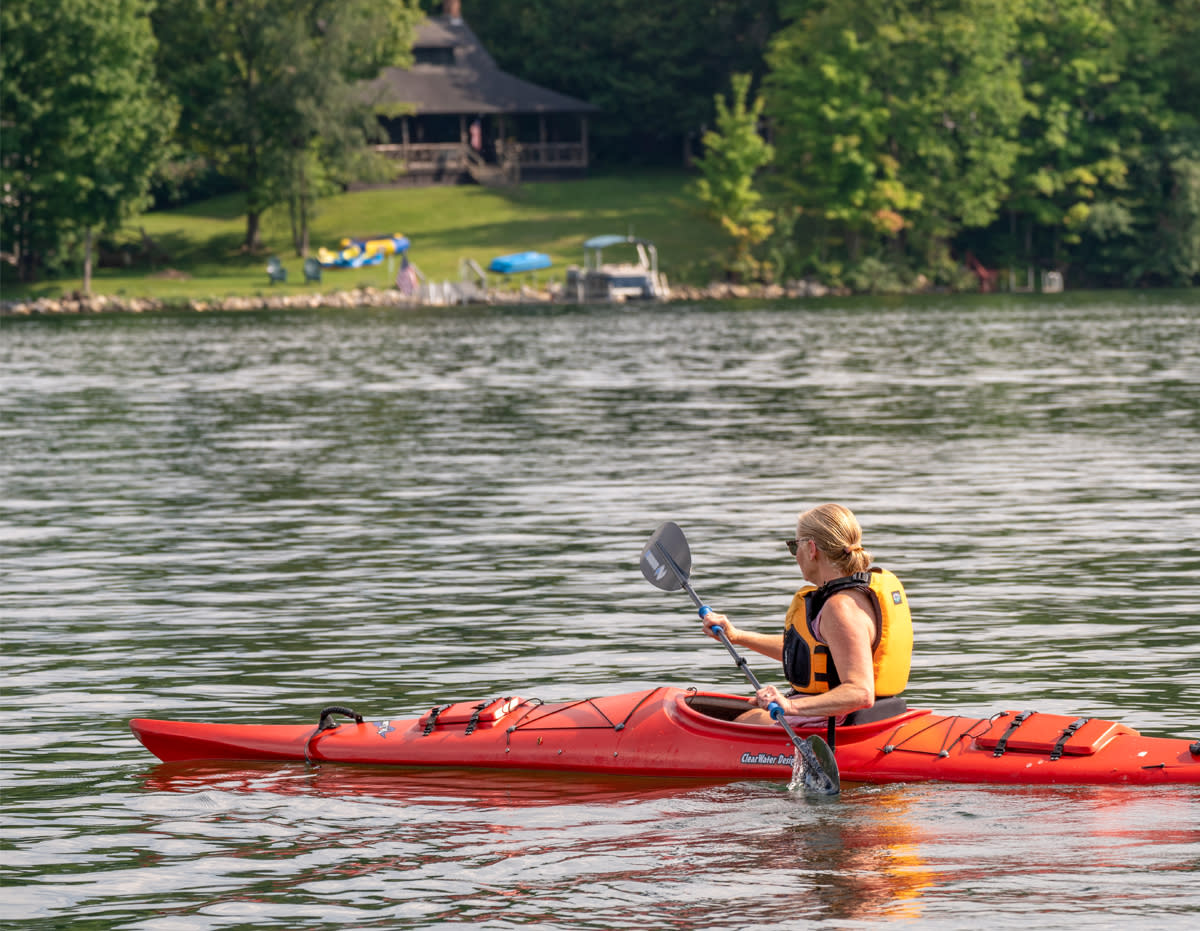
point(792, 545)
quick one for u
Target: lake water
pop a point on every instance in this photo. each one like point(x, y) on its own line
point(247, 517)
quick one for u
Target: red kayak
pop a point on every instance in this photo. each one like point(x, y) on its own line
point(671, 732)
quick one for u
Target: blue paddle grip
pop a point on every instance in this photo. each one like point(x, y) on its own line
point(705, 610)
point(775, 710)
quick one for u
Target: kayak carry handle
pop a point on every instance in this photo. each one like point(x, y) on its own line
point(324, 723)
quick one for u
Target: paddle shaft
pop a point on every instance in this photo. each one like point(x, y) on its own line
point(773, 708)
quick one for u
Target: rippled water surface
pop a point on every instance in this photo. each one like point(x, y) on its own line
point(249, 517)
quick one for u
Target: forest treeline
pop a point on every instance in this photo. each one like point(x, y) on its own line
point(910, 136)
point(881, 143)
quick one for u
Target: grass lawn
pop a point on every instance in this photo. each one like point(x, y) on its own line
point(445, 225)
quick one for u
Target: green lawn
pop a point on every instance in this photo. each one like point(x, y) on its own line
point(445, 225)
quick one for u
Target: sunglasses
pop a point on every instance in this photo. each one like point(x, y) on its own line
point(793, 545)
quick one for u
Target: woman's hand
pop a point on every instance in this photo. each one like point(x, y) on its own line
point(713, 619)
point(768, 694)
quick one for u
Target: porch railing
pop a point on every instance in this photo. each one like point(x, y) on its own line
point(453, 156)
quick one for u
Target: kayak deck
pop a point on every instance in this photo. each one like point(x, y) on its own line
point(672, 732)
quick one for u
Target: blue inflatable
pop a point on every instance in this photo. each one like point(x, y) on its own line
point(519, 262)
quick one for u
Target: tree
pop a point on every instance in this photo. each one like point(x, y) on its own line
point(1082, 126)
point(733, 155)
point(833, 125)
point(269, 90)
point(1106, 182)
point(651, 68)
point(85, 124)
point(1177, 242)
point(896, 120)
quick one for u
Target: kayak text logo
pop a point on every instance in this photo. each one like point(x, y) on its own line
point(768, 759)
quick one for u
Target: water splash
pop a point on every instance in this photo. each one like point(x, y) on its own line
point(798, 771)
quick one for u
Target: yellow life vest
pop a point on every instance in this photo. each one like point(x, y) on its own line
point(807, 662)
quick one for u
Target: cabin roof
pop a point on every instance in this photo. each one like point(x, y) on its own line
point(454, 74)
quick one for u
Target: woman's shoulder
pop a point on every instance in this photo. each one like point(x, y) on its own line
point(851, 603)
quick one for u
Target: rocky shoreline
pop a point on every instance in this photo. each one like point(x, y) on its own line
point(375, 297)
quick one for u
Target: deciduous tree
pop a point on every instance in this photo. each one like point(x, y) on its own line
point(651, 68)
point(84, 123)
point(896, 119)
point(733, 154)
point(269, 86)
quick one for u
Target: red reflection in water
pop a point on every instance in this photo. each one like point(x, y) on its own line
point(486, 787)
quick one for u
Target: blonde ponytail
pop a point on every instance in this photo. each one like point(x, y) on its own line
point(836, 532)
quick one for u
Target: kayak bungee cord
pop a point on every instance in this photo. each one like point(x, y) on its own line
point(608, 725)
point(666, 562)
point(890, 746)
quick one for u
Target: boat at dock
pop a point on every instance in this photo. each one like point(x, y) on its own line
point(635, 277)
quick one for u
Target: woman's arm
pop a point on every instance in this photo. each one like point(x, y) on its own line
point(767, 644)
point(848, 628)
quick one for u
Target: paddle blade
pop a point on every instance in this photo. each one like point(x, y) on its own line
point(820, 767)
point(665, 556)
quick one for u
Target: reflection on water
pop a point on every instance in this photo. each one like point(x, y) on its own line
point(415, 786)
point(250, 517)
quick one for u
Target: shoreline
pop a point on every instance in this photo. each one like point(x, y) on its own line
point(77, 304)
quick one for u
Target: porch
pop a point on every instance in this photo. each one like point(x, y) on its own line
point(505, 152)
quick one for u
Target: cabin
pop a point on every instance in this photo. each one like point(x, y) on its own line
point(455, 117)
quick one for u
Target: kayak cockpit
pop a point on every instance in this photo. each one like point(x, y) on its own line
point(721, 707)
point(891, 710)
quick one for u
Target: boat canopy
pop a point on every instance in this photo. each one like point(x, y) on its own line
point(603, 242)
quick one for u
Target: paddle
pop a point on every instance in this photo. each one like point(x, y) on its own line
point(666, 564)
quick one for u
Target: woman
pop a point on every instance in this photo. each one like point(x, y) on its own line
point(847, 639)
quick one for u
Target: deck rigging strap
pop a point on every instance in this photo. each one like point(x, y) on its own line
point(474, 722)
point(1002, 743)
point(433, 716)
point(1067, 734)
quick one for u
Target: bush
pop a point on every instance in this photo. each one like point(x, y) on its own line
point(877, 276)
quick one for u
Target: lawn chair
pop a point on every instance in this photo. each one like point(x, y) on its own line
point(312, 271)
point(275, 270)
